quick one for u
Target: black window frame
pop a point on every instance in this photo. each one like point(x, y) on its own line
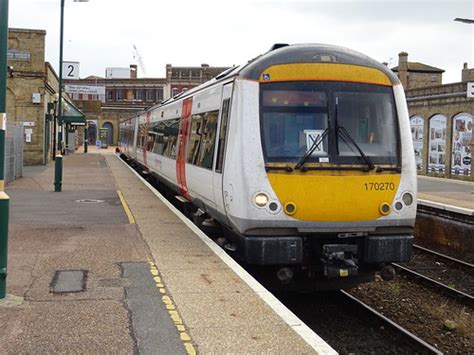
point(330, 88)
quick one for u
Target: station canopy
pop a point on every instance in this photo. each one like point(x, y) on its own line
point(72, 115)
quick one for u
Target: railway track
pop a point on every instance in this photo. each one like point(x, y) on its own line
point(453, 277)
point(351, 326)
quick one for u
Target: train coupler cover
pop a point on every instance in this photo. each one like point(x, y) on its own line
point(339, 260)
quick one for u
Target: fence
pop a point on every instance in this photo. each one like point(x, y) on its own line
point(13, 152)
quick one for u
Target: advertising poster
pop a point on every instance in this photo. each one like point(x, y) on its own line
point(417, 125)
point(462, 137)
point(437, 146)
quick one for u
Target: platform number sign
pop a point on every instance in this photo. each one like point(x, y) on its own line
point(71, 70)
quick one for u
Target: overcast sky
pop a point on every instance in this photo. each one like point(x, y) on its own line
point(101, 33)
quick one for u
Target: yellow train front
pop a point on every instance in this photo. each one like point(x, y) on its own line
point(319, 177)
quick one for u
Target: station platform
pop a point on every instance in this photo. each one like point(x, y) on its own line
point(107, 266)
point(447, 194)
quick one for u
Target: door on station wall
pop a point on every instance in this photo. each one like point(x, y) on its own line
point(91, 132)
point(462, 138)
point(417, 125)
point(437, 146)
point(110, 136)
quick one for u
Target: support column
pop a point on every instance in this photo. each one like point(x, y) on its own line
point(4, 199)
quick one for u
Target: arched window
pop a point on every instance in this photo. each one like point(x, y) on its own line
point(437, 147)
point(417, 125)
point(461, 149)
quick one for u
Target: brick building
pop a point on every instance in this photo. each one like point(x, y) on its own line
point(32, 83)
point(416, 75)
point(124, 96)
point(441, 119)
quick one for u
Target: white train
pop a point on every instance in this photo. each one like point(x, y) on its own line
point(303, 157)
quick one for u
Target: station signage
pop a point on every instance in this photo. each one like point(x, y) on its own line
point(71, 70)
point(85, 89)
point(470, 89)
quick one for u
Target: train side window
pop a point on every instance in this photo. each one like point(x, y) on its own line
point(141, 136)
point(202, 139)
point(195, 134)
point(208, 140)
point(222, 135)
point(170, 137)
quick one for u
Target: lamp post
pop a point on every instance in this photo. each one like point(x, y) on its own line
point(4, 199)
point(58, 169)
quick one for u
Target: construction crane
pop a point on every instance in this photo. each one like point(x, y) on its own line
point(137, 56)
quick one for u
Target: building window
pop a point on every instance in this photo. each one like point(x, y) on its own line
point(119, 94)
point(110, 95)
point(150, 95)
point(139, 95)
point(174, 92)
point(434, 78)
point(159, 94)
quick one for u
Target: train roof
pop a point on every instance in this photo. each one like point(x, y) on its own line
point(311, 53)
point(286, 54)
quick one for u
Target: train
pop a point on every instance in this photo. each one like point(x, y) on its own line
point(301, 159)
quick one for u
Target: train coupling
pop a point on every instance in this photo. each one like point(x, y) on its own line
point(339, 260)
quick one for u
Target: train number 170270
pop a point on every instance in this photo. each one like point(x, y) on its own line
point(379, 186)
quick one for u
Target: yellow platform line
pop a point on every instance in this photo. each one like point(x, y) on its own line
point(172, 311)
point(127, 210)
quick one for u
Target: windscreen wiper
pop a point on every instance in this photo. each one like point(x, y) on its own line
point(346, 136)
point(310, 151)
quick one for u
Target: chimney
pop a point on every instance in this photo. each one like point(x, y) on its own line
point(403, 69)
point(133, 71)
point(467, 74)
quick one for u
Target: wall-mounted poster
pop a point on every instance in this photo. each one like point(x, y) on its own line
point(437, 146)
point(462, 137)
point(417, 125)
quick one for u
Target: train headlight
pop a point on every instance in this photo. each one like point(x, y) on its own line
point(384, 208)
point(407, 198)
point(261, 199)
point(290, 208)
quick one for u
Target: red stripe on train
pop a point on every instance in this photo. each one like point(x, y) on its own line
point(183, 142)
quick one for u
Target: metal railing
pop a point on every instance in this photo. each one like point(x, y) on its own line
point(14, 152)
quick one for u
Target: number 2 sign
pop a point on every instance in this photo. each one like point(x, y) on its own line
point(71, 70)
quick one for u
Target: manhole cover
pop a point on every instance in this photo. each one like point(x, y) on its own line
point(88, 200)
point(65, 281)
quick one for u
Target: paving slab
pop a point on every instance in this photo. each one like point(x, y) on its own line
point(446, 191)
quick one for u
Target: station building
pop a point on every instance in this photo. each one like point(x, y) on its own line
point(441, 118)
point(121, 94)
point(32, 87)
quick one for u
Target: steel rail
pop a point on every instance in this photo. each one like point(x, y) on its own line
point(449, 291)
point(447, 257)
point(420, 342)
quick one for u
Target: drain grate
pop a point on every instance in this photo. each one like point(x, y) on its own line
point(88, 200)
point(67, 281)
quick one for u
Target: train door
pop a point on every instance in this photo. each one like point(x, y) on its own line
point(221, 145)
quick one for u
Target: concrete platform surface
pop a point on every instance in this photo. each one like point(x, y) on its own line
point(446, 191)
point(150, 287)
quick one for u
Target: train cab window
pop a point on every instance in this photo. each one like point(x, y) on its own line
point(369, 118)
point(202, 139)
point(292, 120)
point(222, 135)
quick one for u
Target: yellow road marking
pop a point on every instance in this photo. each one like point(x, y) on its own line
point(129, 214)
point(173, 313)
